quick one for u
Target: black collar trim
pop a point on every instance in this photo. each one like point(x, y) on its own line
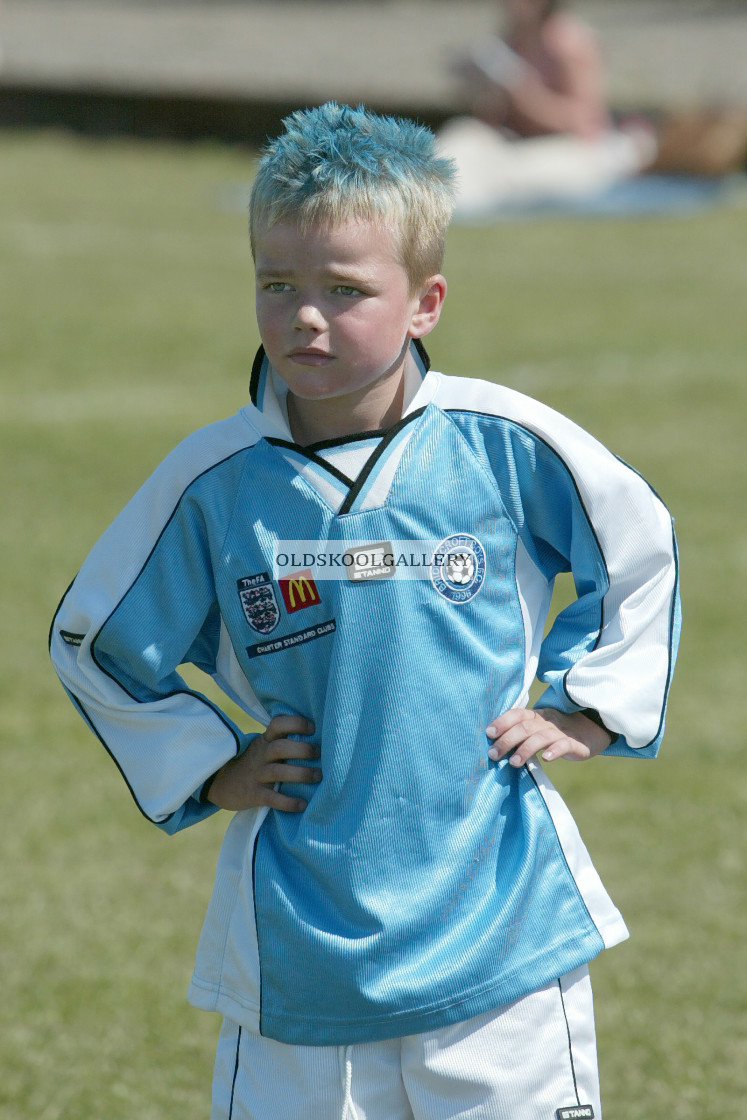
point(375, 456)
point(308, 453)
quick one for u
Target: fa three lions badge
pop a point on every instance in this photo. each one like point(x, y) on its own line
point(258, 602)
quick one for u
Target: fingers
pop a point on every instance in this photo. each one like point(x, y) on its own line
point(279, 749)
point(503, 723)
point(275, 800)
point(271, 773)
point(516, 728)
point(269, 767)
point(523, 733)
point(248, 780)
point(280, 726)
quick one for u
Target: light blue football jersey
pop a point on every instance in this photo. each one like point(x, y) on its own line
point(424, 883)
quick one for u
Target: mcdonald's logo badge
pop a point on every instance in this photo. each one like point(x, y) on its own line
point(299, 591)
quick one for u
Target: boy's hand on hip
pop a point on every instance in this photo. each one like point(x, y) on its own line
point(530, 731)
point(247, 781)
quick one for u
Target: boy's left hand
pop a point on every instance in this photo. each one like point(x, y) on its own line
point(554, 734)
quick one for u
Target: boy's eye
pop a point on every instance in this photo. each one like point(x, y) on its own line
point(347, 290)
point(277, 286)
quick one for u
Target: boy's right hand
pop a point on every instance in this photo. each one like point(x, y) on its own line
point(247, 781)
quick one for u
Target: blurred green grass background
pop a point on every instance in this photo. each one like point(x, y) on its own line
point(126, 303)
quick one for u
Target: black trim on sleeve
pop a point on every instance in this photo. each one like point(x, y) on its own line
point(89, 722)
point(595, 717)
point(203, 798)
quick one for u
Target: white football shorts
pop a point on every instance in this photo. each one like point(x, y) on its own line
point(534, 1059)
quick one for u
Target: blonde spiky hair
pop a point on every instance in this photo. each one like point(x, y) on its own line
point(335, 163)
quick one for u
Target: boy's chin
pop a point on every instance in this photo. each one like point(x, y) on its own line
point(322, 386)
point(310, 393)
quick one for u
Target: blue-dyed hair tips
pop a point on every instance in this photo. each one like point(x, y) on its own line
point(334, 164)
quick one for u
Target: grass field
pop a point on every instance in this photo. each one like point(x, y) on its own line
point(126, 321)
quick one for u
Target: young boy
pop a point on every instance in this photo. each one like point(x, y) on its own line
point(403, 910)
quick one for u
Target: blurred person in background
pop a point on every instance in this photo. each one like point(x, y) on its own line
point(539, 124)
point(543, 75)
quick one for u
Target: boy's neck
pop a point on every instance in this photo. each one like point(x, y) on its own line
point(378, 406)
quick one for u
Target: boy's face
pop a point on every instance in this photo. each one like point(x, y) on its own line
point(334, 306)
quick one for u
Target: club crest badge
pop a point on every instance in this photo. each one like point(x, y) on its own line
point(458, 567)
point(258, 602)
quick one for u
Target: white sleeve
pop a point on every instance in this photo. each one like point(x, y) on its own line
point(144, 603)
point(612, 650)
point(579, 508)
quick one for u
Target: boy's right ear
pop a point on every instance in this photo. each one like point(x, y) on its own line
point(428, 312)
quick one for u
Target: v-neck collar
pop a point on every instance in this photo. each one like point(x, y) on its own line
point(360, 476)
point(372, 482)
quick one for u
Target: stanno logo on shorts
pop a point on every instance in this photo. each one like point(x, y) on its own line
point(576, 1112)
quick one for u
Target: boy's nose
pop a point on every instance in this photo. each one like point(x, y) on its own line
point(309, 317)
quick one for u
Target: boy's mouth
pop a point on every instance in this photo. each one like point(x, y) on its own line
point(310, 357)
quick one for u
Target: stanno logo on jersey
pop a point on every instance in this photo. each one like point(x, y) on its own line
point(458, 567)
point(258, 602)
point(369, 561)
point(576, 1112)
point(299, 591)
